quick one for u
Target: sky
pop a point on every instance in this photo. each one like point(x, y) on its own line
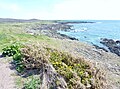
point(61, 9)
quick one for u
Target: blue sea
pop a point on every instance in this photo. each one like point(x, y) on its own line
point(93, 32)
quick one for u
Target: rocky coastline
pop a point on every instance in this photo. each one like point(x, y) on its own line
point(51, 30)
point(74, 22)
point(113, 46)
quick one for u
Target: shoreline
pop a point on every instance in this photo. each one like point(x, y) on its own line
point(50, 30)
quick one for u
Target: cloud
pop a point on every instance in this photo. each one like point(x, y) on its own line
point(86, 9)
point(67, 9)
point(10, 7)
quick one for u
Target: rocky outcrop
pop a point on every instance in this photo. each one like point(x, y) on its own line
point(65, 36)
point(113, 46)
point(102, 48)
point(54, 27)
point(51, 30)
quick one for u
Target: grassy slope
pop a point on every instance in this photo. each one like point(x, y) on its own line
point(15, 32)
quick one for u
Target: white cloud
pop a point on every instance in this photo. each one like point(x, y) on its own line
point(10, 7)
point(69, 9)
point(86, 9)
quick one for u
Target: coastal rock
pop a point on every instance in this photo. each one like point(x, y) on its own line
point(51, 30)
point(98, 47)
point(113, 46)
point(71, 38)
point(54, 27)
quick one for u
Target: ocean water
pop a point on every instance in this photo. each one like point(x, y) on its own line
point(93, 32)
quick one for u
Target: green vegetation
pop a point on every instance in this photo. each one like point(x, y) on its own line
point(16, 32)
point(73, 70)
point(18, 62)
point(40, 52)
point(14, 51)
point(11, 50)
point(32, 83)
point(19, 82)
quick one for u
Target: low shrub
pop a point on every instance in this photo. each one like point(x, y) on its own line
point(14, 51)
point(57, 69)
point(72, 69)
point(32, 83)
point(11, 50)
point(18, 58)
point(76, 72)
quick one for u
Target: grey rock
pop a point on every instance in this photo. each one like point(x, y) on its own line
point(113, 46)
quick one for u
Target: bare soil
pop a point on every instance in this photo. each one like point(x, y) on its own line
point(6, 74)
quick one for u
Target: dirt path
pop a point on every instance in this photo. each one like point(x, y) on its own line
point(6, 78)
